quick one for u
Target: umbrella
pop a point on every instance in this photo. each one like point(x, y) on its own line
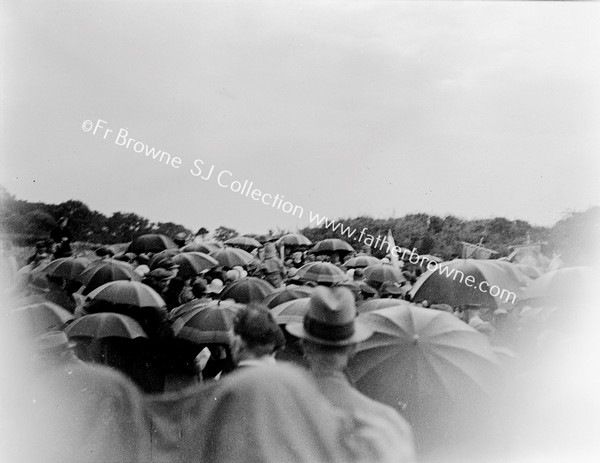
point(361, 262)
point(104, 272)
point(206, 248)
point(381, 273)
point(151, 243)
point(437, 369)
point(191, 306)
point(230, 257)
point(287, 294)
point(560, 287)
point(131, 293)
point(249, 289)
point(162, 255)
point(449, 283)
point(106, 325)
point(193, 263)
point(321, 273)
point(41, 317)
point(206, 325)
point(291, 311)
point(244, 242)
point(331, 245)
point(68, 268)
point(375, 304)
point(293, 239)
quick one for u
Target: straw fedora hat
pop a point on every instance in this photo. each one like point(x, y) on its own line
point(331, 319)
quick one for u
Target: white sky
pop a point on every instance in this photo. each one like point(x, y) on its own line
point(477, 109)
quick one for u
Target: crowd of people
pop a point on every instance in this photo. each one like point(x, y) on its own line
point(263, 391)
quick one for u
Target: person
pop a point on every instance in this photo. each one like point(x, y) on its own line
point(257, 336)
point(271, 268)
point(72, 411)
point(61, 235)
point(330, 333)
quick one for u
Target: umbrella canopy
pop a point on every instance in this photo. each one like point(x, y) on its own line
point(428, 363)
point(566, 286)
point(249, 289)
point(131, 293)
point(381, 273)
point(152, 242)
point(287, 294)
point(230, 257)
point(105, 271)
point(375, 304)
point(193, 263)
point(206, 325)
point(68, 268)
point(293, 239)
point(244, 242)
point(331, 245)
point(320, 273)
point(106, 325)
point(191, 306)
point(362, 262)
point(162, 255)
point(41, 317)
point(206, 248)
point(448, 284)
point(291, 311)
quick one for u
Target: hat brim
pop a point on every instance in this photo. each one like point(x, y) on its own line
point(361, 333)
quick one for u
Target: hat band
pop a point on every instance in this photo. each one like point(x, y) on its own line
point(328, 331)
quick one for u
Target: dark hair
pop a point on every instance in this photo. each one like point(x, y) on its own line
point(257, 327)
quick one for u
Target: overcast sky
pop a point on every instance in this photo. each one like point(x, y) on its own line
point(477, 109)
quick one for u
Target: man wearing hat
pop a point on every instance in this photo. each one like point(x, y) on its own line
point(329, 334)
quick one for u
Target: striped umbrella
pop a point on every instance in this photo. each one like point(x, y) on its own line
point(291, 311)
point(230, 257)
point(105, 325)
point(206, 325)
point(249, 289)
point(361, 262)
point(132, 293)
point(322, 273)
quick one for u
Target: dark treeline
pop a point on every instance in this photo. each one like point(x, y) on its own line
point(574, 237)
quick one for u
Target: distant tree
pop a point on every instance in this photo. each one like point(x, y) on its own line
point(170, 229)
point(202, 232)
point(223, 233)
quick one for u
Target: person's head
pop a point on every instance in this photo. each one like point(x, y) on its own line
point(257, 332)
point(199, 288)
point(330, 330)
point(359, 274)
point(160, 278)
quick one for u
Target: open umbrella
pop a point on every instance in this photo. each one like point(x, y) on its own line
point(361, 262)
point(206, 248)
point(331, 245)
point(105, 325)
point(41, 317)
point(287, 294)
point(249, 289)
point(206, 325)
point(381, 273)
point(131, 293)
point(565, 286)
point(469, 281)
point(293, 239)
point(437, 370)
point(191, 306)
point(152, 242)
point(105, 271)
point(68, 268)
point(375, 304)
point(244, 242)
point(230, 257)
point(291, 311)
point(193, 263)
point(322, 273)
